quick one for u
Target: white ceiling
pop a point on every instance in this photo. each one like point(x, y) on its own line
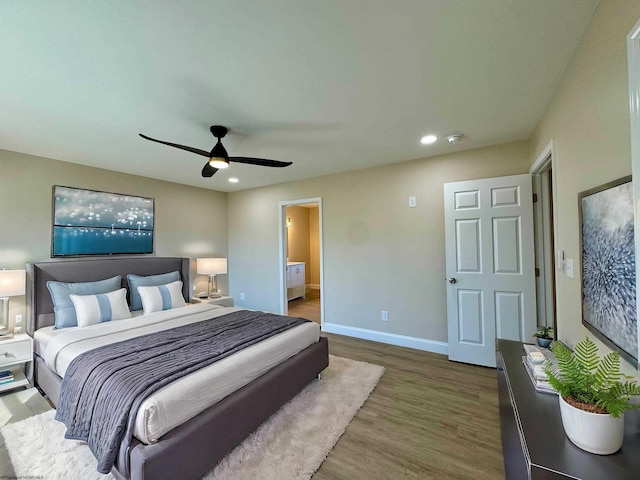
point(331, 85)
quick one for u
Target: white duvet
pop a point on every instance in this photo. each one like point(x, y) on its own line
point(179, 401)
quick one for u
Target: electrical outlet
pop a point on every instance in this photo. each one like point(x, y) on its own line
point(412, 201)
point(384, 316)
point(242, 296)
point(17, 327)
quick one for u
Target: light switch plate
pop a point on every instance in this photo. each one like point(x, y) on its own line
point(568, 267)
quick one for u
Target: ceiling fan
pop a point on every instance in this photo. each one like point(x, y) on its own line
point(218, 156)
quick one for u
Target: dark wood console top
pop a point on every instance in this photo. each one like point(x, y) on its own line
point(547, 453)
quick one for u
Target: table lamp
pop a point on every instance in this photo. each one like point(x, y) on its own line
point(212, 267)
point(12, 284)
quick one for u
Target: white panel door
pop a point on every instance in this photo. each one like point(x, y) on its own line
point(490, 265)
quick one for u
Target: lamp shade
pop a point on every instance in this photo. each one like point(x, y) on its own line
point(12, 283)
point(211, 266)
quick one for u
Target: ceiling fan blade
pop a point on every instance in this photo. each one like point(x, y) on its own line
point(182, 147)
point(260, 161)
point(208, 170)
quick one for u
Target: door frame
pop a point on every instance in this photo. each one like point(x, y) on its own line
point(282, 222)
point(544, 219)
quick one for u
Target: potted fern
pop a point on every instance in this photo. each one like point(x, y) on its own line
point(593, 396)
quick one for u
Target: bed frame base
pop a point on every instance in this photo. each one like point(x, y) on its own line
point(46, 380)
point(192, 449)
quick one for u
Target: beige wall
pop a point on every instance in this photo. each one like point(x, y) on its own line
point(189, 221)
point(588, 119)
point(379, 254)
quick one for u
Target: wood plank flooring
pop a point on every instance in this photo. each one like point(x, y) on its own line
point(428, 418)
point(308, 307)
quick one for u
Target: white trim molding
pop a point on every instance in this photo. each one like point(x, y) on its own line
point(389, 338)
point(545, 225)
point(544, 160)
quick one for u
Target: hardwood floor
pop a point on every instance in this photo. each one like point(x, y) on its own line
point(428, 418)
point(308, 307)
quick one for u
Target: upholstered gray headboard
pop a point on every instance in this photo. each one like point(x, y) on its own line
point(39, 304)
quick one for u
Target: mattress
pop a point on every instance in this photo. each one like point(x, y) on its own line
point(182, 400)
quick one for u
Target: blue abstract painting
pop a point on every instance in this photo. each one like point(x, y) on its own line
point(87, 222)
point(608, 266)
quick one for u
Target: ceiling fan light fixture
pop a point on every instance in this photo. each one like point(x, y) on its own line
point(218, 162)
point(219, 156)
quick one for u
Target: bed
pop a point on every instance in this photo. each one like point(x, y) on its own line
point(192, 448)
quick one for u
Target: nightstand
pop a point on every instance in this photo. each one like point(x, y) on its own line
point(223, 301)
point(16, 354)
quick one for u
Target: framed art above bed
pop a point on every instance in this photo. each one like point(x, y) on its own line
point(89, 222)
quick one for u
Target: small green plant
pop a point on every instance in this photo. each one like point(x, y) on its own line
point(544, 332)
point(586, 378)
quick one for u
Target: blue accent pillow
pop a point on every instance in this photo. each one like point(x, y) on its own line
point(136, 281)
point(63, 306)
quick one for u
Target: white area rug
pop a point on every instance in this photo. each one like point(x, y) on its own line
point(292, 444)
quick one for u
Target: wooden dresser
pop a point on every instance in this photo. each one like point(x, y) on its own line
point(533, 441)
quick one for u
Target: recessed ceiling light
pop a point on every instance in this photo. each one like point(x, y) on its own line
point(233, 180)
point(428, 139)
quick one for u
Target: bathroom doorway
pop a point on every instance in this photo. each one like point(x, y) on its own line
point(302, 259)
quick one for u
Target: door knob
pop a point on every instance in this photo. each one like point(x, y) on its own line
point(452, 280)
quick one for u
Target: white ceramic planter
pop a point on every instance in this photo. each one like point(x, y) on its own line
point(594, 432)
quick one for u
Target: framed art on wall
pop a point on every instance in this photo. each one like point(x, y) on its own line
point(89, 222)
point(608, 266)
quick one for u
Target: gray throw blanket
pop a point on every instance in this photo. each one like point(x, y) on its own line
point(103, 388)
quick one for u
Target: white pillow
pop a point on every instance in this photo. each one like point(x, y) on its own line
point(161, 297)
point(103, 307)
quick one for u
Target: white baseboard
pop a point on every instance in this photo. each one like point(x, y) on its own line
point(390, 338)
